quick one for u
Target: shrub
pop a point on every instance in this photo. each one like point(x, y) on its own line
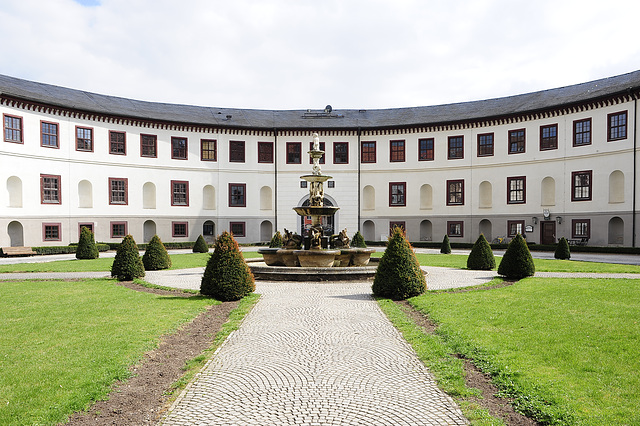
point(398, 276)
point(155, 256)
point(445, 248)
point(358, 240)
point(276, 240)
point(201, 245)
point(562, 250)
point(481, 256)
point(87, 248)
point(227, 276)
point(517, 262)
point(127, 264)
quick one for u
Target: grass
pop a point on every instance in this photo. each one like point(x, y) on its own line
point(69, 341)
point(567, 350)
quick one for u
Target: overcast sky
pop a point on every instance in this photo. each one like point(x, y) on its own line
point(299, 54)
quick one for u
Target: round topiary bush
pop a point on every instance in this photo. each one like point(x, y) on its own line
point(227, 276)
point(481, 256)
point(562, 250)
point(517, 262)
point(358, 240)
point(87, 248)
point(398, 276)
point(201, 245)
point(127, 264)
point(276, 240)
point(445, 248)
point(155, 256)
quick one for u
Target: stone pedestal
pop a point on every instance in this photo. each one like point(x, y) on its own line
point(316, 258)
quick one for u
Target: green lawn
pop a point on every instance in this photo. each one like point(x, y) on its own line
point(568, 349)
point(65, 343)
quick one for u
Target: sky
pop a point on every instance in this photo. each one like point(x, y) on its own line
point(303, 54)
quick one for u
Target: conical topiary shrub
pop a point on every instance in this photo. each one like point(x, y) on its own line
point(445, 248)
point(87, 248)
point(201, 245)
point(562, 250)
point(481, 256)
point(127, 264)
point(358, 240)
point(398, 276)
point(276, 240)
point(155, 256)
point(227, 276)
point(517, 262)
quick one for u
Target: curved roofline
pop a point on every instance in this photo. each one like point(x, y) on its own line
point(436, 115)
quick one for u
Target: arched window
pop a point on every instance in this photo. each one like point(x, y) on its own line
point(368, 198)
point(369, 230)
point(426, 197)
point(14, 187)
point(426, 230)
point(149, 230)
point(486, 195)
point(208, 197)
point(548, 192)
point(149, 196)
point(486, 228)
point(616, 187)
point(85, 194)
point(266, 199)
point(266, 231)
point(616, 231)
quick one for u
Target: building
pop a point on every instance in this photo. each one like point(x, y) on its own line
point(560, 162)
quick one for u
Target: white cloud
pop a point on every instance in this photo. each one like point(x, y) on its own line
point(284, 54)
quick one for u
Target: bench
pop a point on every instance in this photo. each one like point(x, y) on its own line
point(578, 242)
point(17, 251)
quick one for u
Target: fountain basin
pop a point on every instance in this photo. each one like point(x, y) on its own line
point(316, 210)
point(262, 271)
point(288, 257)
point(358, 256)
point(316, 258)
point(271, 256)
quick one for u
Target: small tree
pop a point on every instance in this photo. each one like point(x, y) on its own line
point(155, 256)
point(517, 262)
point(227, 276)
point(127, 264)
point(87, 248)
point(276, 240)
point(201, 245)
point(445, 248)
point(481, 256)
point(398, 276)
point(562, 250)
point(358, 240)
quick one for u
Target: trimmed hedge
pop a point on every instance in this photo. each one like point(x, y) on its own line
point(517, 262)
point(87, 248)
point(358, 240)
point(445, 248)
point(276, 240)
point(398, 276)
point(227, 276)
point(66, 249)
point(127, 264)
point(481, 257)
point(155, 256)
point(200, 245)
point(562, 250)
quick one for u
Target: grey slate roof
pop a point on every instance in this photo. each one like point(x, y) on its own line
point(301, 119)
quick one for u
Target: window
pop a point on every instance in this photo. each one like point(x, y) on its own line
point(303, 184)
point(397, 151)
point(617, 126)
point(425, 149)
point(322, 145)
point(179, 193)
point(237, 195)
point(398, 224)
point(455, 192)
point(294, 152)
point(485, 145)
point(331, 184)
point(455, 147)
point(548, 137)
point(516, 141)
point(49, 134)
point(581, 228)
point(265, 152)
point(50, 189)
point(179, 229)
point(516, 190)
point(208, 150)
point(149, 146)
point(368, 153)
point(208, 228)
point(237, 228)
point(12, 129)
point(84, 139)
point(582, 132)
point(118, 229)
point(397, 191)
point(51, 232)
point(118, 193)
point(455, 228)
point(236, 151)
point(89, 226)
point(117, 143)
point(178, 148)
point(581, 186)
point(515, 227)
point(340, 153)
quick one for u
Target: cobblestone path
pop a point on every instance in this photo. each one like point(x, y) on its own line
point(314, 354)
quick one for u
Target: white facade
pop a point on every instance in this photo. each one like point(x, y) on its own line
point(548, 204)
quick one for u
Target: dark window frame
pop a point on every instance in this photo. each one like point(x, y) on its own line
point(397, 151)
point(579, 133)
point(53, 225)
point(117, 147)
point(184, 234)
point(400, 198)
point(517, 141)
point(243, 226)
point(176, 193)
point(486, 149)
point(457, 223)
point(586, 222)
point(459, 199)
point(43, 189)
point(84, 140)
point(340, 157)
point(265, 152)
point(614, 126)
point(511, 223)
point(547, 140)
point(233, 202)
point(455, 152)
point(237, 151)
point(207, 153)
point(523, 190)
point(368, 156)
point(19, 132)
point(118, 223)
point(321, 146)
point(399, 223)
point(112, 199)
point(149, 150)
point(294, 152)
point(179, 152)
point(589, 185)
point(48, 135)
point(88, 225)
point(426, 149)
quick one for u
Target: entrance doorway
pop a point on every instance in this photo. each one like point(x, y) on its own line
point(16, 234)
point(548, 232)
